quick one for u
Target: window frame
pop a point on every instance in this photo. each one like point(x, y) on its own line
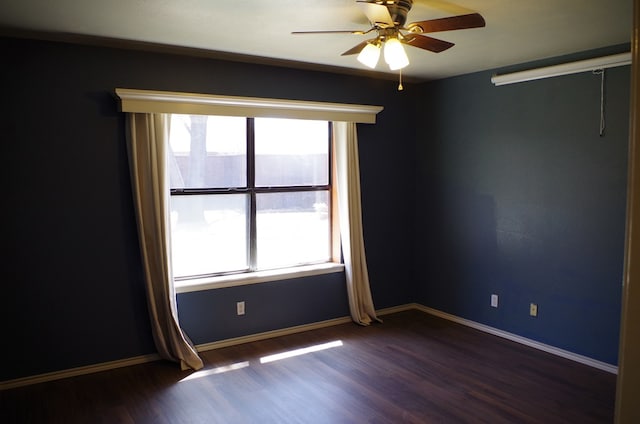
point(154, 101)
point(253, 190)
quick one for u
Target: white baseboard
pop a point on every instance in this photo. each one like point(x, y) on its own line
point(396, 309)
point(73, 372)
point(89, 369)
point(292, 330)
point(522, 340)
point(271, 334)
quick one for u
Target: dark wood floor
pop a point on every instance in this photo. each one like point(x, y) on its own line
point(414, 368)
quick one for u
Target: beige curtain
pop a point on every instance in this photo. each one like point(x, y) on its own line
point(147, 143)
point(347, 182)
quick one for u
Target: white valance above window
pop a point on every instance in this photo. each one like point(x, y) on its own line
point(147, 101)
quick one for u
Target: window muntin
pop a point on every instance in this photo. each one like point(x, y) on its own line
point(256, 196)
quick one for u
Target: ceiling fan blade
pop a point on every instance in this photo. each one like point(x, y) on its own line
point(356, 49)
point(377, 14)
point(472, 20)
point(426, 43)
point(357, 32)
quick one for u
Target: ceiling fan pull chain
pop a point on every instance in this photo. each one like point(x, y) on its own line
point(602, 117)
point(400, 87)
point(602, 120)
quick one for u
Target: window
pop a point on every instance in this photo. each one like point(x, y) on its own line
point(248, 194)
point(147, 111)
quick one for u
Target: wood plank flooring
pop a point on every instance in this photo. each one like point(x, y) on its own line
point(413, 368)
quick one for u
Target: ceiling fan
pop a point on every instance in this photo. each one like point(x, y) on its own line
point(387, 19)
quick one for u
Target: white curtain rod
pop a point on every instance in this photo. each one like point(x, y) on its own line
point(563, 69)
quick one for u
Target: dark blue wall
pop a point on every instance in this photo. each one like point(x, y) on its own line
point(210, 315)
point(74, 294)
point(518, 195)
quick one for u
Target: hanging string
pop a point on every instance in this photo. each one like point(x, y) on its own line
point(602, 117)
point(400, 87)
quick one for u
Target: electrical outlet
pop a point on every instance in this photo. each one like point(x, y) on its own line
point(494, 300)
point(240, 308)
point(533, 310)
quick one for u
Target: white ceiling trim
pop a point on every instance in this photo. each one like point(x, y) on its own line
point(147, 101)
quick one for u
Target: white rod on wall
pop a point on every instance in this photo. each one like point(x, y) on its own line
point(563, 69)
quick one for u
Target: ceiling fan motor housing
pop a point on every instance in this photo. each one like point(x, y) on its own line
point(398, 9)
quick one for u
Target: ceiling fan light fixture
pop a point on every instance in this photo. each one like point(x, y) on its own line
point(369, 55)
point(394, 54)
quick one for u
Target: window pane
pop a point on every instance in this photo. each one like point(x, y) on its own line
point(209, 233)
point(207, 151)
point(291, 152)
point(292, 228)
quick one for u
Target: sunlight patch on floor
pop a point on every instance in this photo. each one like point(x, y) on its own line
point(298, 352)
point(218, 370)
point(263, 360)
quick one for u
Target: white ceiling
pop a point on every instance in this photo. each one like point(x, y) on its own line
point(516, 31)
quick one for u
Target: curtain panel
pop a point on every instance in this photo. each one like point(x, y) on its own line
point(147, 143)
point(347, 167)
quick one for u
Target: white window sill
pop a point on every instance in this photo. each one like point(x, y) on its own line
point(219, 282)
